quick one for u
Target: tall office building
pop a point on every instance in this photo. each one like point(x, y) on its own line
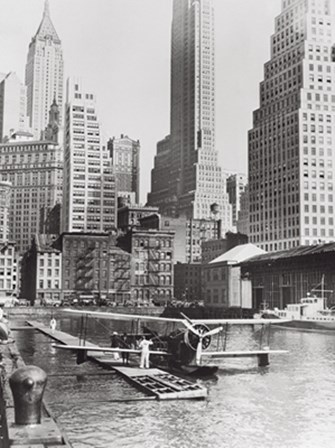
point(195, 178)
point(34, 169)
point(236, 184)
point(5, 199)
point(291, 145)
point(13, 105)
point(125, 156)
point(243, 217)
point(44, 74)
point(89, 203)
point(160, 177)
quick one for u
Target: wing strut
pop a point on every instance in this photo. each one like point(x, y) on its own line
point(82, 354)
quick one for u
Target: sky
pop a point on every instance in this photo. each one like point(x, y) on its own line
point(121, 49)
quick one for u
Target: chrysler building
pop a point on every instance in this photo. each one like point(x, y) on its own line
point(44, 74)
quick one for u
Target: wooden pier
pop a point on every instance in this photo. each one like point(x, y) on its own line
point(154, 382)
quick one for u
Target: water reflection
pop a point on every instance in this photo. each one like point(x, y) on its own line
point(290, 404)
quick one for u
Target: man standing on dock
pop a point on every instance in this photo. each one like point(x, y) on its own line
point(145, 353)
point(115, 343)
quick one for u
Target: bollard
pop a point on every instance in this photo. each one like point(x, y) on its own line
point(263, 360)
point(4, 333)
point(27, 385)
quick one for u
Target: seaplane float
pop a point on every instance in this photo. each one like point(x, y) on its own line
point(191, 346)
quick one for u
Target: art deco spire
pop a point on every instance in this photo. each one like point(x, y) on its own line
point(46, 8)
point(46, 28)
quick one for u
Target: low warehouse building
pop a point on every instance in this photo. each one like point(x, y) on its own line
point(283, 277)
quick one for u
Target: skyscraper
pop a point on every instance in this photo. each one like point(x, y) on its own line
point(291, 145)
point(195, 178)
point(44, 74)
point(13, 106)
point(236, 184)
point(125, 156)
point(34, 169)
point(89, 203)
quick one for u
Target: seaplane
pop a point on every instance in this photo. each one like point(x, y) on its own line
point(189, 347)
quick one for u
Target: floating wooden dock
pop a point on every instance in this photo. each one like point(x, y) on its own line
point(154, 382)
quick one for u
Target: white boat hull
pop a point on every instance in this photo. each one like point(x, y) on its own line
point(310, 324)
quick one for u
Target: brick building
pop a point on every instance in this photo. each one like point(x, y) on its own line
point(151, 264)
point(93, 267)
point(188, 282)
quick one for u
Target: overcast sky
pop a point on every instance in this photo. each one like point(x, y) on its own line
point(122, 50)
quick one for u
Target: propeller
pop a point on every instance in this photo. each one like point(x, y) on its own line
point(201, 333)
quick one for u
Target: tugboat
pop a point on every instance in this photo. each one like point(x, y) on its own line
point(310, 313)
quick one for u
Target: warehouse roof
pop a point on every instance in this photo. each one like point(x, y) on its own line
point(238, 254)
point(295, 252)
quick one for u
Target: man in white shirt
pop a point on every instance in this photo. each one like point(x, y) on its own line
point(145, 353)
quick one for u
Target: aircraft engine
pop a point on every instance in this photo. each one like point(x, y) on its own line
point(192, 340)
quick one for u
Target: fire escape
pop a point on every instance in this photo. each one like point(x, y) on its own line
point(119, 277)
point(153, 271)
point(84, 279)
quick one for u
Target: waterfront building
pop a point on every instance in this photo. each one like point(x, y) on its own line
point(283, 277)
point(188, 282)
point(44, 74)
point(125, 156)
point(152, 261)
point(93, 267)
point(236, 184)
point(41, 272)
point(89, 203)
point(193, 179)
point(213, 248)
point(291, 144)
point(13, 106)
point(35, 171)
point(223, 284)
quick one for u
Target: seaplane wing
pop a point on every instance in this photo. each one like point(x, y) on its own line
point(239, 321)
point(146, 318)
point(125, 317)
point(241, 353)
point(88, 348)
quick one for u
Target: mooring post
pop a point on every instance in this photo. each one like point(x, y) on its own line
point(27, 385)
point(263, 360)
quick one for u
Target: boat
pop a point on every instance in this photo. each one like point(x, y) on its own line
point(310, 313)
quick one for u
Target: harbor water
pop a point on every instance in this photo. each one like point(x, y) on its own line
point(290, 404)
